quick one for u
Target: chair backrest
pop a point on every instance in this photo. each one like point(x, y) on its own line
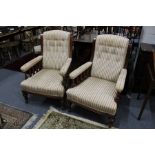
point(109, 57)
point(56, 48)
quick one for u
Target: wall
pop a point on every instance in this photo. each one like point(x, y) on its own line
point(148, 35)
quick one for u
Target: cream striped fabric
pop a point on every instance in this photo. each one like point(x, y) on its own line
point(79, 70)
point(65, 67)
point(56, 47)
point(109, 57)
point(30, 64)
point(45, 82)
point(56, 61)
point(95, 93)
point(121, 80)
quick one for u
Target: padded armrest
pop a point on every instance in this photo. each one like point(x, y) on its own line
point(79, 70)
point(65, 67)
point(31, 63)
point(121, 80)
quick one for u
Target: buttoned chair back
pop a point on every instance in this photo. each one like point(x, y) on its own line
point(56, 49)
point(109, 56)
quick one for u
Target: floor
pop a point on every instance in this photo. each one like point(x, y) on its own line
point(128, 110)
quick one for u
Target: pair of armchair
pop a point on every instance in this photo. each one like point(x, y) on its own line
point(95, 85)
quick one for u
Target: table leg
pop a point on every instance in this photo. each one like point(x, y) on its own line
point(1, 121)
point(145, 102)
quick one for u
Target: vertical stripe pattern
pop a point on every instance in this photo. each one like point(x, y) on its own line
point(95, 93)
point(121, 80)
point(45, 82)
point(109, 57)
point(56, 47)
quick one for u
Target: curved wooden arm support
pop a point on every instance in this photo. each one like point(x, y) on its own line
point(33, 70)
point(84, 75)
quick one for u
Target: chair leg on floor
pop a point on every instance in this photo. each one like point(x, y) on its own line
point(69, 104)
point(138, 96)
point(2, 122)
point(62, 104)
point(144, 103)
point(139, 91)
point(25, 94)
point(110, 121)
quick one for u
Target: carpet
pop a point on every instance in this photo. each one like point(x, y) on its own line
point(55, 119)
point(15, 118)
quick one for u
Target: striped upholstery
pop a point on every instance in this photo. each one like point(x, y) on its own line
point(56, 47)
point(96, 94)
point(121, 80)
point(65, 67)
point(46, 82)
point(109, 58)
point(56, 62)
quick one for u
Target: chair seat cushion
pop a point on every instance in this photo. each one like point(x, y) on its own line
point(96, 94)
point(46, 82)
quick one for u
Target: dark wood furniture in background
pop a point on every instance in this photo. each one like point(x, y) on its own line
point(83, 45)
point(21, 30)
point(146, 69)
point(145, 57)
point(11, 47)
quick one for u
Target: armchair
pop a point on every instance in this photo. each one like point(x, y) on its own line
point(96, 85)
point(45, 75)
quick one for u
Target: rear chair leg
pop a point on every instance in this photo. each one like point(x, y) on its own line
point(111, 121)
point(25, 94)
point(69, 104)
point(62, 104)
